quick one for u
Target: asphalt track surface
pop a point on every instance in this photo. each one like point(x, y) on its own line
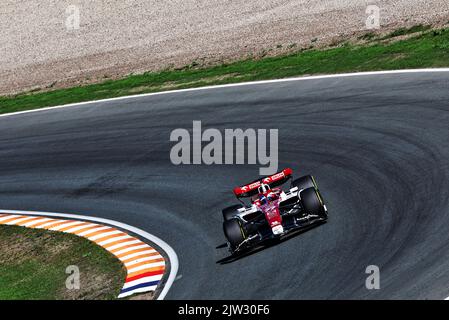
point(378, 146)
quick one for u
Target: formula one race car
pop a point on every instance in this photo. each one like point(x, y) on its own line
point(272, 212)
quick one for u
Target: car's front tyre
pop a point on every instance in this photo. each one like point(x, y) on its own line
point(230, 212)
point(234, 232)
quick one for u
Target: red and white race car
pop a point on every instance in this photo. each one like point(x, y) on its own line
point(272, 212)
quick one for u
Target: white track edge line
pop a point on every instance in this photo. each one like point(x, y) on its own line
point(174, 263)
point(229, 85)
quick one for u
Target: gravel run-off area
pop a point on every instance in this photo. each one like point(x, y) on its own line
point(40, 50)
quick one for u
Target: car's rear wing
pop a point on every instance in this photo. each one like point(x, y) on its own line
point(273, 181)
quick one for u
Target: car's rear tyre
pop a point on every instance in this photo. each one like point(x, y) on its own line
point(234, 232)
point(231, 212)
point(312, 202)
point(304, 182)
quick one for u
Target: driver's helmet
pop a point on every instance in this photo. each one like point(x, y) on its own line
point(263, 188)
point(263, 200)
